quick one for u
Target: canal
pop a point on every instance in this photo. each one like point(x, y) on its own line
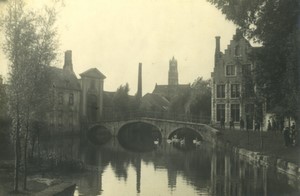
point(164, 168)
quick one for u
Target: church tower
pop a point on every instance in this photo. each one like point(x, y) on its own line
point(173, 73)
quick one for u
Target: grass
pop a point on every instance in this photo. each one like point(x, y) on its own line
point(269, 143)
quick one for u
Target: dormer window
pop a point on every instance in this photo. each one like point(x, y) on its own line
point(230, 70)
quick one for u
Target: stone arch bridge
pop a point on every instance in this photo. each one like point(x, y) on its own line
point(165, 127)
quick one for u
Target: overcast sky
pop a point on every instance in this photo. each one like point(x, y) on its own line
point(115, 35)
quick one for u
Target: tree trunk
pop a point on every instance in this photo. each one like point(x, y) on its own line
point(38, 148)
point(17, 153)
point(32, 147)
point(25, 155)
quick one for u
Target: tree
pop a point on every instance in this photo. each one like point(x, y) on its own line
point(180, 103)
point(274, 24)
point(121, 100)
point(201, 98)
point(30, 47)
point(3, 102)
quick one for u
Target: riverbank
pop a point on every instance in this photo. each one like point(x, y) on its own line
point(49, 180)
point(266, 147)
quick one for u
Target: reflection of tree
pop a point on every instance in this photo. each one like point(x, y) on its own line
point(212, 170)
point(120, 165)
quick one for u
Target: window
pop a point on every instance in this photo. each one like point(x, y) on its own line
point(221, 91)
point(60, 98)
point(220, 111)
point(235, 91)
point(230, 70)
point(71, 99)
point(235, 112)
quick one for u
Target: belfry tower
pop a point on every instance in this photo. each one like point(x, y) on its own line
point(173, 73)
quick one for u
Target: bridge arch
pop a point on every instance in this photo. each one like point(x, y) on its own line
point(127, 123)
point(98, 134)
point(191, 131)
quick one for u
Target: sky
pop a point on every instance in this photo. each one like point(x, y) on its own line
point(115, 35)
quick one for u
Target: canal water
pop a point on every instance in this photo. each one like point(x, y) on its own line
point(166, 169)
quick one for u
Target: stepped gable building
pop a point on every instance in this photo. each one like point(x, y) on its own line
point(173, 88)
point(232, 82)
point(73, 99)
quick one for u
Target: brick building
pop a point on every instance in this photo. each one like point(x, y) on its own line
point(233, 95)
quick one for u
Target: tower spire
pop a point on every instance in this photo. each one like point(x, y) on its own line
point(173, 73)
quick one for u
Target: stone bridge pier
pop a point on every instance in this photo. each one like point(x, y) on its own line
point(165, 127)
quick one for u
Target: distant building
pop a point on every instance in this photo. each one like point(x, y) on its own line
point(74, 100)
point(154, 103)
point(233, 94)
point(173, 88)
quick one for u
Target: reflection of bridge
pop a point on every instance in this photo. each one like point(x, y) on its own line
point(165, 127)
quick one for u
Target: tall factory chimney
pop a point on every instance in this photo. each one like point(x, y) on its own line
point(68, 61)
point(139, 90)
point(217, 51)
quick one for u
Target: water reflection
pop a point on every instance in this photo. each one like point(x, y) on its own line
point(208, 170)
point(139, 137)
point(98, 135)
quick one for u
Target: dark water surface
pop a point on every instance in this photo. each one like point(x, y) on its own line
point(167, 170)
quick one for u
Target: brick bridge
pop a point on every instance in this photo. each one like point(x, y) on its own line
point(165, 127)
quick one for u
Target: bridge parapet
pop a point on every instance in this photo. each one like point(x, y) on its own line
point(166, 127)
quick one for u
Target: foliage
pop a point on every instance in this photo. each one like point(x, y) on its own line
point(3, 103)
point(121, 99)
point(179, 104)
point(201, 99)
point(30, 45)
point(274, 24)
point(195, 101)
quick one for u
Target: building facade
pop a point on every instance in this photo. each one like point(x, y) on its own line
point(233, 94)
point(74, 100)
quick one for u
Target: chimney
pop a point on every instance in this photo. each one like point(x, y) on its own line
point(139, 90)
point(217, 51)
point(68, 61)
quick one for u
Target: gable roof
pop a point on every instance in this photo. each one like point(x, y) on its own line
point(93, 73)
point(166, 89)
point(160, 89)
point(155, 100)
point(63, 78)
